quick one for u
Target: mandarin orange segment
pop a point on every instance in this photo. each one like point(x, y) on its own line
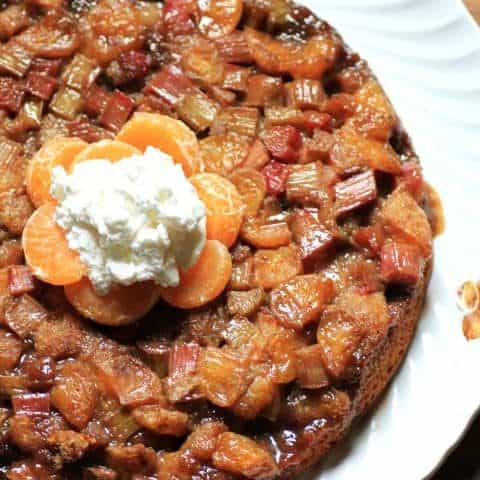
point(56, 152)
point(47, 251)
point(122, 305)
point(219, 17)
point(205, 281)
point(112, 150)
point(223, 204)
point(165, 133)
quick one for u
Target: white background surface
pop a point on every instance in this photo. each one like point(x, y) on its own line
point(426, 54)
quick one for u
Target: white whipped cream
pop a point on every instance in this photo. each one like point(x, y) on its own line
point(134, 220)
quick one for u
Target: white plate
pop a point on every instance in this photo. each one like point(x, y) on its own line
point(426, 54)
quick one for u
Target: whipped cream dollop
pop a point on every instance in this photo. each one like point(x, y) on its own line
point(134, 220)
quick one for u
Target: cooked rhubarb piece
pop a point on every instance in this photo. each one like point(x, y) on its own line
point(198, 111)
point(31, 404)
point(131, 66)
point(355, 192)
point(234, 48)
point(412, 179)
point(24, 315)
point(276, 176)
point(237, 120)
point(10, 350)
point(308, 185)
point(183, 359)
point(116, 112)
point(401, 263)
point(236, 78)
point(283, 143)
point(179, 17)
point(80, 73)
point(14, 59)
point(370, 238)
point(202, 63)
point(406, 221)
point(67, 103)
point(170, 84)
point(314, 239)
point(20, 280)
point(41, 86)
point(12, 93)
point(219, 17)
point(264, 90)
point(305, 94)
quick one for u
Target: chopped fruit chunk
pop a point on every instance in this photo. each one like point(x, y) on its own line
point(112, 150)
point(171, 85)
point(257, 398)
point(267, 229)
point(56, 152)
point(122, 305)
point(311, 373)
point(244, 303)
point(412, 179)
point(41, 86)
point(234, 48)
point(355, 192)
point(308, 184)
point(198, 111)
point(401, 263)
point(20, 280)
point(10, 350)
point(237, 120)
point(283, 143)
point(370, 238)
point(264, 90)
point(352, 152)
point(24, 315)
point(46, 249)
point(406, 221)
point(241, 455)
point(223, 377)
point(31, 404)
point(272, 267)
point(257, 155)
point(165, 133)
point(305, 94)
point(75, 393)
point(161, 421)
point(374, 115)
point(205, 281)
point(300, 301)
point(252, 187)
point(12, 93)
point(224, 206)
point(314, 239)
point(276, 176)
point(116, 111)
point(223, 154)
point(219, 17)
point(310, 59)
point(183, 359)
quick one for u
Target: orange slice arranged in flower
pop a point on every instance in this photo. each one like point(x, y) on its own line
point(112, 150)
point(122, 305)
point(46, 249)
point(56, 152)
point(224, 206)
point(205, 281)
point(165, 133)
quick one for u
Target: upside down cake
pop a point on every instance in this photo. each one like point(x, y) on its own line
point(313, 274)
